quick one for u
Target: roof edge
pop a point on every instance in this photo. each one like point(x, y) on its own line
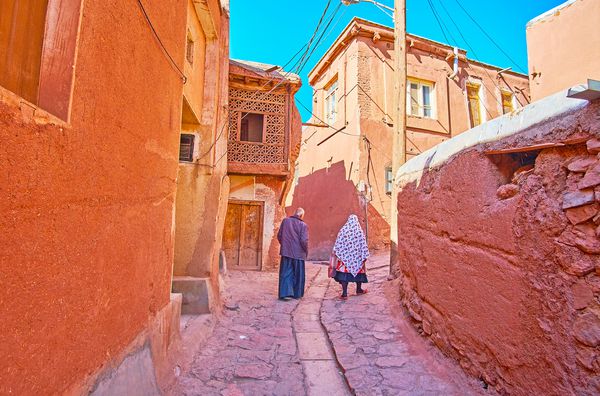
point(361, 23)
point(549, 13)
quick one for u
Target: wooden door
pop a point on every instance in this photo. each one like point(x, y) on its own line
point(242, 236)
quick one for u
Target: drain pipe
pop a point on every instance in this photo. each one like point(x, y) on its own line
point(455, 68)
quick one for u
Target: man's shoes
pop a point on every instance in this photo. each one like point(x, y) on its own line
point(363, 291)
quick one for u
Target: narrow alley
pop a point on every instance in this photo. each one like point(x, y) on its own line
point(299, 198)
point(318, 345)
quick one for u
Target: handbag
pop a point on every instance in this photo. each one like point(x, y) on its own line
point(331, 271)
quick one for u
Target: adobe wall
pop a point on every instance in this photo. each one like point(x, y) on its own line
point(376, 99)
point(562, 47)
point(87, 230)
point(203, 186)
point(364, 70)
point(499, 263)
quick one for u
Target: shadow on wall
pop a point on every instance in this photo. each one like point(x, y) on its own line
point(328, 199)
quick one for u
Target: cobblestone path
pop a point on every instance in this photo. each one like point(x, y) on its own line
point(264, 346)
point(318, 345)
point(380, 352)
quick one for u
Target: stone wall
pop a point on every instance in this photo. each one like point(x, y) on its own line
point(499, 248)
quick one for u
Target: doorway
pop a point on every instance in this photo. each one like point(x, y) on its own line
point(242, 236)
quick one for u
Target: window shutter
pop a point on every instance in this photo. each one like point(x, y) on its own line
point(507, 102)
point(474, 109)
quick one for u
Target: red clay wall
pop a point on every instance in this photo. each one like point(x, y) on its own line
point(86, 231)
point(497, 273)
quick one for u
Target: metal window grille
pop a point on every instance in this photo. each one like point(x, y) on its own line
point(186, 148)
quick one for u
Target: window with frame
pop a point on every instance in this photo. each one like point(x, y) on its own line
point(388, 180)
point(507, 102)
point(331, 102)
point(420, 98)
point(252, 127)
point(186, 147)
point(474, 101)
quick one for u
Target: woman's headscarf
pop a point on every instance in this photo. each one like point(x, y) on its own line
point(351, 245)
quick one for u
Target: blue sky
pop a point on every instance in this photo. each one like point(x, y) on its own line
point(272, 31)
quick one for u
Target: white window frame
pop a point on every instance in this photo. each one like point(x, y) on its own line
point(330, 102)
point(389, 180)
point(421, 107)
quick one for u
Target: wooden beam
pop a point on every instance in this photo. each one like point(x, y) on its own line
point(539, 146)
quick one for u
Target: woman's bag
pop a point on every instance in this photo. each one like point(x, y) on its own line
point(332, 266)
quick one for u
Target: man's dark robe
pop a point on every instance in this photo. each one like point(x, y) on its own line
point(293, 238)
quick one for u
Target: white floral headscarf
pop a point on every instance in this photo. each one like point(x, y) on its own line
point(351, 245)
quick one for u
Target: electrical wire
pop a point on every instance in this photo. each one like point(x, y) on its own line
point(490, 37)
point(162, 46)
point(316, 29)
point(324, 123)
point(283, 78)
point(386, 12)
point(466, 42)
point(331, 18)
point(435, 15)
point(440, 21)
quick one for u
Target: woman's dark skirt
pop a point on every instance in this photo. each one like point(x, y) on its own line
point(291, 278)
point(348, 277)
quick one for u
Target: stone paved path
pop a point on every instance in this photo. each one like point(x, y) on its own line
point(316, 346)
point(321, 370)
point(380, 352)
point(263, 346)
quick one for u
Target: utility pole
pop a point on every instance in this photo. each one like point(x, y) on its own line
point(399, 136)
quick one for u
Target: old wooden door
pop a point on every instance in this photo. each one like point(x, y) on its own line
point(242, 237)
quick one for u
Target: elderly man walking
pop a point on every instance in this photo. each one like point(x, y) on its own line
point(293, 238)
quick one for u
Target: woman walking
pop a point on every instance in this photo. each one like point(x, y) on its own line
point(349, 256)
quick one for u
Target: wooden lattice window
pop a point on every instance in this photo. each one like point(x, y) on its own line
point(247, 146)
point(186, 147)
point(474, 103)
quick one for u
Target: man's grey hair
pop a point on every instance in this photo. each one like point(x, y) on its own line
point(299, 212)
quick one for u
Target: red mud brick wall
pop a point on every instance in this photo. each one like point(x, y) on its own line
point(499, 263)
point(86, 227)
